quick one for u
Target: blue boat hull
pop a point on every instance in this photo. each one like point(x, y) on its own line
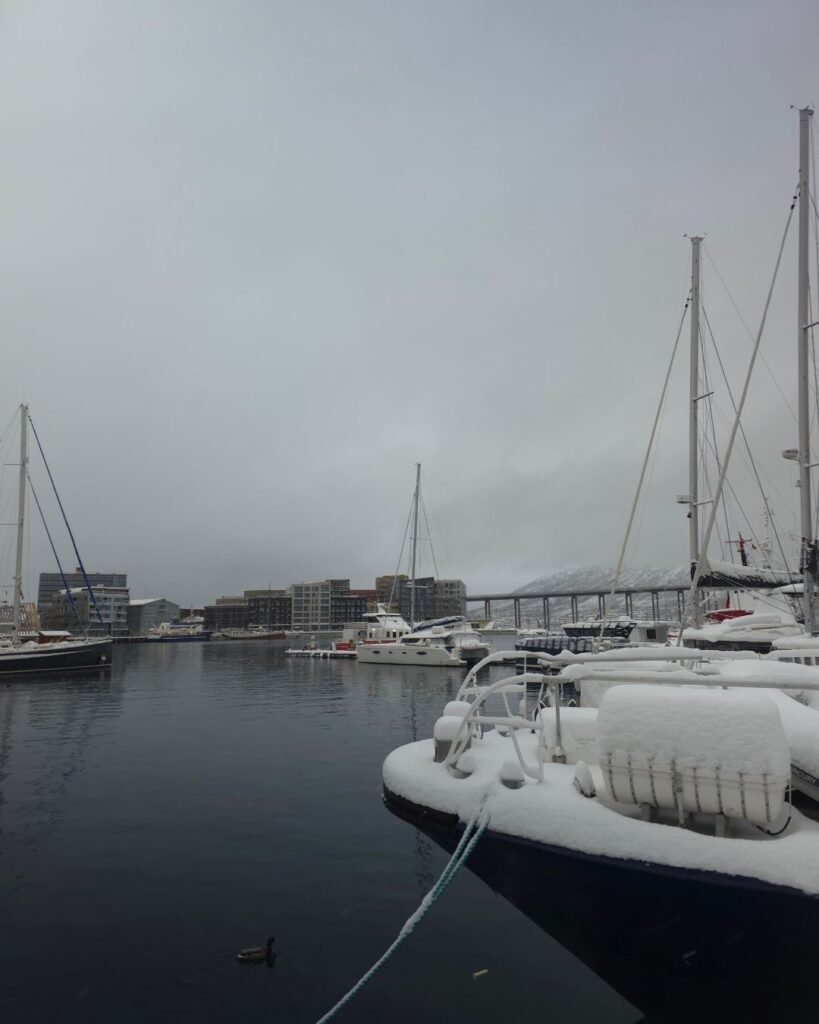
point(680, 945)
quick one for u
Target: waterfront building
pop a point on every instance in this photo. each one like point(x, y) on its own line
point(73, 610)
point(52, 582)
point(316, 605)
point(29, 619)
point(269, 608)
point(449, 598)
point(226, 613)
point(396, 592)
point(433, 598)
point(146, 613)
point(353, 606)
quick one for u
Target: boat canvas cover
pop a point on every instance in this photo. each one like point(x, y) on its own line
point(716, 574)
point(698, 750)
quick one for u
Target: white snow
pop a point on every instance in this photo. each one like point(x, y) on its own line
point(695, 750)
point(694, 727)
point(553, 812)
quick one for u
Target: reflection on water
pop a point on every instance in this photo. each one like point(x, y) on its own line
point(204, 796)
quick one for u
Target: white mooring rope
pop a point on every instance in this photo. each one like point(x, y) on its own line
point(475, 828)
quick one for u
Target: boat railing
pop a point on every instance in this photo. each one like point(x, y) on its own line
point(475, 719)
point(580, 668)
point(554, 663)
point(799, 656)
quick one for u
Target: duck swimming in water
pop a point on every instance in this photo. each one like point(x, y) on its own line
point(257, 954)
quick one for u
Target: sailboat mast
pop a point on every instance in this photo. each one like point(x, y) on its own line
point(808, 556)
point(414, 540)
point(693, 433)
point(21, 515)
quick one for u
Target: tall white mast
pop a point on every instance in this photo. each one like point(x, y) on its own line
point(694, 397)
point(21, 514)
point(414, 540)
point(808, 568)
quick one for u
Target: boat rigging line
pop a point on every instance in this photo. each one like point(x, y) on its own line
point(616, 578)
point(748, 451)
point(750, 334)
point(475, 828)
point(429, 536)
point(67, 524)
point(56, 557)
point(695, 576)
point(709, 405)
point(400, 555)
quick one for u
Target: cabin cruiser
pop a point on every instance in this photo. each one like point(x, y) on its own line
point(190, 628)
point(445, 642)
point(653, 830)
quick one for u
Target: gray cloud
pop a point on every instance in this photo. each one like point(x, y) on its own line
point(257, 259)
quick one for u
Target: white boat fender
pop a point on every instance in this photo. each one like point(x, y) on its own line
point(583, 781)
point(458, 707)
point(511, 774)
point(446, 729)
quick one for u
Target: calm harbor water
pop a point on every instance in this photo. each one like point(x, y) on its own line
point(201, 797)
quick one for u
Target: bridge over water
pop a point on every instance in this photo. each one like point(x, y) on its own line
point(603, 601)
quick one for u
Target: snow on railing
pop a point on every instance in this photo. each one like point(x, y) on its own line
point(695, 669)
point(473, 720)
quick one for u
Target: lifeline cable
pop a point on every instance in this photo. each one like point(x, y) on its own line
point(476, 825)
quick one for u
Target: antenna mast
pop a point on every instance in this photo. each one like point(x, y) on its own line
point(414, 541)
point(809, 566)
point(21, 515)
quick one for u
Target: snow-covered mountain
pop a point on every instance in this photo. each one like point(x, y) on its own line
point(597, 578)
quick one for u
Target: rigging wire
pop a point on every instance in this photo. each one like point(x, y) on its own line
point(751, 459)
point(750, 334)
point(710, 419)
point(743, 456)
point(429, 536)
point(401, 554)
point(695, 577)
point(752, 535)
point(441, 538)
point(67, 525)
point(56, 556)
point(660, 404)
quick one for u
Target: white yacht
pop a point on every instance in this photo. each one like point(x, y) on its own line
point(445, 642)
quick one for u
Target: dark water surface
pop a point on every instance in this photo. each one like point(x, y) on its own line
point(204, 796)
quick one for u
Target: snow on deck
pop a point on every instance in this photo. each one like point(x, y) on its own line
point(553, 812)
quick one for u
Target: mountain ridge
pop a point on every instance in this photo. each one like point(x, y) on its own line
point(599, 579)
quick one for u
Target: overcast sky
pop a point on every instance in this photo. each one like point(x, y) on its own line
point(258, 258)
